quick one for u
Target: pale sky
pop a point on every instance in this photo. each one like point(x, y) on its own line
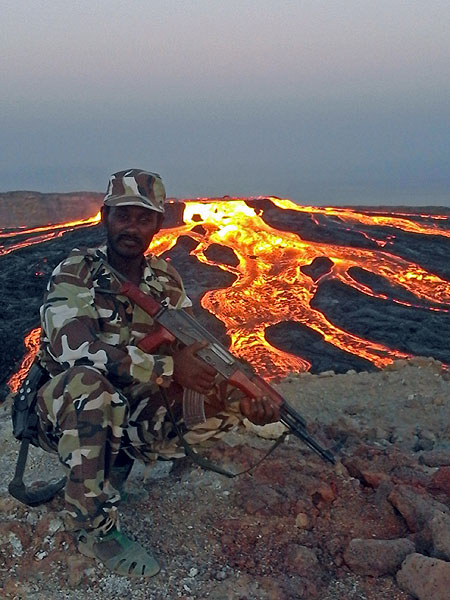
point(318, 101)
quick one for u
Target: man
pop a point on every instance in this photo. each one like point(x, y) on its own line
point(108, 402)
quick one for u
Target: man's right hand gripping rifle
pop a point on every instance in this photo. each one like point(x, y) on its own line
point(202, 356)
point(193, 373)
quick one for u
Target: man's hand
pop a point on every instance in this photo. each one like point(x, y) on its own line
point(193, 373)
point(190, 371)
point(259, 411)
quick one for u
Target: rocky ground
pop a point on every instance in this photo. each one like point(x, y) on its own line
point(376, 526)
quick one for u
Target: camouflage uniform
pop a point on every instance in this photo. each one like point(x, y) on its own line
point(104, 392)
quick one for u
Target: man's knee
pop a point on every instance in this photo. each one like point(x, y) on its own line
point(78, 388)
point(86, 378)
point(80, 379)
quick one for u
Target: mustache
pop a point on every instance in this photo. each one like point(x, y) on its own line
point(131, 238)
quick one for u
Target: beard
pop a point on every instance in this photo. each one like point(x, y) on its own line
point(127, 246)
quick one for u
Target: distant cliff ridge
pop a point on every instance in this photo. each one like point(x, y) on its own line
point(32, 209)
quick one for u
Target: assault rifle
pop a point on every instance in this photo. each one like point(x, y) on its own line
point(179, 325)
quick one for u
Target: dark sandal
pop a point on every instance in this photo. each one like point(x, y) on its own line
point(118, 553)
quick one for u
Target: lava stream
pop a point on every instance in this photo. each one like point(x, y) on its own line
point(270, 286)
point(395, 220)
point(46, 233)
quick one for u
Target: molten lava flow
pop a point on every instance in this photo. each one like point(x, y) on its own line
point(31, 343)
point(42, 234)
point(395, 220)
point(270, 286)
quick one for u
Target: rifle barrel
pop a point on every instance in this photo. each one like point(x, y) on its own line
point(297, 425)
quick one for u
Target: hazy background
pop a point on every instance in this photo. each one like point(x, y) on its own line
point(319, 101)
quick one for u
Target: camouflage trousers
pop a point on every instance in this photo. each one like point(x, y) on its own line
point(87, 420)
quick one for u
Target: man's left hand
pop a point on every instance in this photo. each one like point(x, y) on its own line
point(259, 411)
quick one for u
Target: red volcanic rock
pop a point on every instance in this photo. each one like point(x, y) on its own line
point(359, 468)
point(377, 557)
point(43, 564)
point(441, 481)
point(411, 475)
point(324, 494)
point(49, 524)
point(416, 508)
point(425, 578)
point(264, 500)
point(440, 535)
point(302, 561)
point(374, 478)
point(373, 467)
point(435, 458)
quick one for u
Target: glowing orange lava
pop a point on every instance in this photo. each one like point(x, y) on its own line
point(31, 343)
point(395, 220)
point(270, 286)
point(42, 234)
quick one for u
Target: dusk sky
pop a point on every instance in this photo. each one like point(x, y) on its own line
point(322, 102)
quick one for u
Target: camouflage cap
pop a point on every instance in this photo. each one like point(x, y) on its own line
point(136, 188)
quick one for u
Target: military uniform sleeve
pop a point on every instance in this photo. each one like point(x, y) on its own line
point(172, 284)
point(183, 301)
point(72, 335)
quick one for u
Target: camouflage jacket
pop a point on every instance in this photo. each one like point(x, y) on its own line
point(86, 322)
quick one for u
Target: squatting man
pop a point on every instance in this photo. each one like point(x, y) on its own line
point(103, 406)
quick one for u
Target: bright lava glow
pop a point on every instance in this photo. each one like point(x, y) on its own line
point(271, 288)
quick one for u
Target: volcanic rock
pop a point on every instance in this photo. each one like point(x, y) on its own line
point(317, 228)
point(319, 267)
point(416, 508)
point(303, 561)
point(440, 534)
point(435, 458)
point(440, 482)
point(409, 329)
point(377, 557)
point(222, 254)
point(425, 578)
point(429, 251)
point(301, 340)
point(381, 285)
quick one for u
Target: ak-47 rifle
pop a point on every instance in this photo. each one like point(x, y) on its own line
point(179, 325)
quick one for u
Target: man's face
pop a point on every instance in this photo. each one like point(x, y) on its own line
point(130, 229)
